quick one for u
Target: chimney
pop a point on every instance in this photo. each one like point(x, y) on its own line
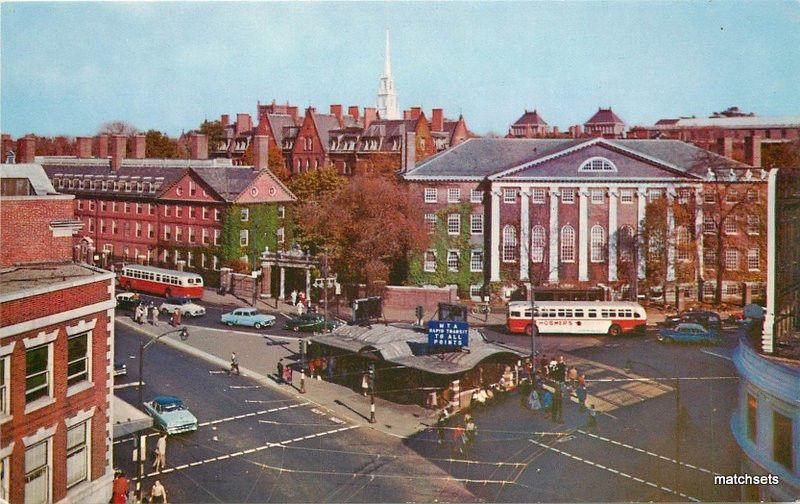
point(415, 112)
point(198, 146)
point(555, 130)
point(292, 111)
point(243, 123)
point(725, 146)
point(437, 119)
point(101, 146)
point(26, 149)
point(118, 146)
point(83, 147)
point(406, 114)
point(352, 111)
point(370, 115)
point(260, 152)
point(138, 145)
point(409, 151)
point(336, 110)
point(752, 151)
point(224, 120)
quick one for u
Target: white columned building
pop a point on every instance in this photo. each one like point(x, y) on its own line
point(583, 235)
point(640, 245)
point(524, 233)
point(612, 233)
point(698, 229)
point(494, 239)
point(670, 235)
point(552, 264)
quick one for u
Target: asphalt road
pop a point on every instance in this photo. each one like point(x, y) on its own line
point(255, 444)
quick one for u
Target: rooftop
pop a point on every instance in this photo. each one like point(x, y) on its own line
point(730, 122)
point(44, 275)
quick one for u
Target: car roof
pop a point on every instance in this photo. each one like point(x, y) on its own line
point(689, 325)
point(163, 400)
point(178, 300)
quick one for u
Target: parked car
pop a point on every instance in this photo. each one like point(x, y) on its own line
point(311, 322)
point(248, 317)
point(185, 305)
point(708, 319)
point(170, 415)
point(688, 332)
point(128, 300)
point(120, 369)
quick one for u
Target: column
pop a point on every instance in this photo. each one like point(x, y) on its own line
point(641, 247)
point(552, 263)
point(494, 237)
point(583, 235)
point(613, 239)
point(524, 234)
point(670, 235)
point(282, 290)
point(698, 228)
point(308, 283)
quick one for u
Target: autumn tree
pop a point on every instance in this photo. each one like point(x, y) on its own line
point(382, 163)
point(117, 127)
point(277, 164)
point(781, 155)
point(214, 131)
point(316, 185)
point(55, 146)
point(160, 146)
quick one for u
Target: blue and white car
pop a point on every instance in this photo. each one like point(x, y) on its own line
point(689, 333)
point(170, 415)
point(247, 317)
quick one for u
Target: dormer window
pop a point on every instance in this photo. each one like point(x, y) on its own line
point(597, 164)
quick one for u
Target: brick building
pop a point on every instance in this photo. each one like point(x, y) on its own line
point(174, 213)
point(56, 343)
point(529, 125)
point(606, 124)
point(567, 212)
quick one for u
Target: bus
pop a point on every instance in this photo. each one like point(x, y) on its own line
point(576, 317)
point(162, 282)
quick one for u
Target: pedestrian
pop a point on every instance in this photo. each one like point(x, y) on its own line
point(470, 432)
point(547, 400)
point(293, 296)
point(458, 438)
point(137, 314)
point(558, 401)
point(582, 380)
point(302, 297)
point(364, 384)
point(591, 422)
point(561, 369)
point(441, 424)
point(533, 401)
point(153, 314)
point(176, 317)
point(158, 494)
point(119, 488)
point(299, 308)
point(287, 374)
point(279, 373)
point(581, 393)
point(161, 453)
point(234, 364)
point(573, 377)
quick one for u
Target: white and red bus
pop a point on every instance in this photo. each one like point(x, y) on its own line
point(163, 282)
point(576, 317)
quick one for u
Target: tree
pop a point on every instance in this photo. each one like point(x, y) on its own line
point(315, 185)
point(214, 131)
point(55, 146)
point(277, 164)
point(384, 164)
point(159, 145)
point(117, 127)
point(782, 155)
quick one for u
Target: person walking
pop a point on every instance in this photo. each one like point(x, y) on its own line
point(234, 364)
point(293, 296)
point(547, 400)
point(561, 369)
point(119, 488)
point(158, 494)
point(591, 422)
point(572, 375)
point(558, 399)
point(279, 372)
point(176, 317)
point(441, 425)
point(287, 374)
point(299, 308)
point(161, 453)
point(581, 394)
point(458, 439)
point(533, 401)
point(365, 384)
point(470, 432)
point(153, 314)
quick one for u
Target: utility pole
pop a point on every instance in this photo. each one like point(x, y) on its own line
point(302, 366)
point(372, 393)
point(325, 287)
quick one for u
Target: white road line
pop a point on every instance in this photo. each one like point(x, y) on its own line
point(609, 469)
point(709, 352)
point(244, 387)
point(127, 385)
point(217, 371)
point(682, 378)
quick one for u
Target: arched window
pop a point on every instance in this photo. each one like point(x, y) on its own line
point(598, 236)
point(625, 243)
point(596, 164)
point(567, 244)
point(538, 237)
point(509, 243)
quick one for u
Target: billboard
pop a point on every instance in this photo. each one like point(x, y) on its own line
point(367, 309)
point(445, 333)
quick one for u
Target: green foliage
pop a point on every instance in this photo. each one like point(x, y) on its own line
point(214, 131)
point(159, 145)
point(262, 222)
point(314, 185)
point(230, 250)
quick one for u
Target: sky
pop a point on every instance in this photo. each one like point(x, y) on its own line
point(65, 68)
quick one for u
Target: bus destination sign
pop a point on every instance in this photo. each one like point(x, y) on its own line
point(444, 333)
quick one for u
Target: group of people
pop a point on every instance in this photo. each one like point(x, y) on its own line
point(565, 381)
point(120, 490)
point(462, 435)
point(300, 300)
point(144, 312)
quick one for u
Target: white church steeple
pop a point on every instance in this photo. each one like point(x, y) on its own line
point(387, 98)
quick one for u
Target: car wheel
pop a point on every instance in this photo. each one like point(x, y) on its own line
point(528, 329)
point(229, 323)
point(614, 330)
point(258, 325)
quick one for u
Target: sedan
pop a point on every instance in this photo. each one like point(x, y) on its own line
point(311, 322)
point(170, 415)
point(128, 300)
point(689, 333)
point(248, 317)
point(185, 305)
point(120, 369)
point(708, 319)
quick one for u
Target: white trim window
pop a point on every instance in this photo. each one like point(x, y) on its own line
point(752, 196)
point(753, 259)
point(5, 378)
point(509, 195)
point(709, 197)
point(78, 358)
point(597, 196)
point(245, 214)
point(216, 237)
point(167, 232)
point(78, 460)
point(38, 372)
point(753, 225)
point(626, 196)
point(453, 224)
point(568, 244)
point(538, 195)
point(684, 194)
point(216, 214)
point(215, 263)
point(430, 222)
point(476, 196)
point(178, 211)
point(654, 194)
point(595, 164)
point(281, 212)
point(178, 233)
point(682, 240)
point(476, 261)
point(538, 239)
point(453, 260)
point(509, 243)
point(37, 473)
point(732, 260)
point(598, 243)
point(567, 196)
point(709, 258)
point(730, 226)
point(244, 237)
point(431, 195)
point(476, 224)
point(709, 288)
point(189, 259)
point(281, 234)
point(709, 225)
point(453, 195)
point(429, 261)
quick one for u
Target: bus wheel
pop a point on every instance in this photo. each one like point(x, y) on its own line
point(529, 329)
point(614, 330)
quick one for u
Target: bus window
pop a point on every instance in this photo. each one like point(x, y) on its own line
point(612, 313)
point(578, 313)
point(515, 314)
point(568, 313)
point(603, 313)
point(636, 315)
point(536, 312)
point(190, 281)
point(561, 312)
point(592, 313)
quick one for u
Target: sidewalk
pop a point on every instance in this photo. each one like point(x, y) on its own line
point(258, 357)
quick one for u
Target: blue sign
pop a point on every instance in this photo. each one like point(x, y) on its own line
point(448, 333)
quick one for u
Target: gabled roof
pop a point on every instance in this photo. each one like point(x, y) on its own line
point(732, 122)
point(390, 127)
point(530, 118)
point(605, 116)
point(37, 177)
point(324, 123)
point(277, 122)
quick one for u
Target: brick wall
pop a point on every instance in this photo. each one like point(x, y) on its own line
point(408, 298)
point(25, 232)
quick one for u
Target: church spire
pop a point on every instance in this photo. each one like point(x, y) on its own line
point(387, 98)
point(387, 60)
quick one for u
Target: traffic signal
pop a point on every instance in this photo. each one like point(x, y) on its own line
point(371, 371)
point(419, 312)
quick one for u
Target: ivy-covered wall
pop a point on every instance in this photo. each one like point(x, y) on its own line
point(262, 223)
point(441, 242)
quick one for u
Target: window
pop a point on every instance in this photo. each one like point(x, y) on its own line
point(683, 242)
point(452, 260)
point(430, 222)
point(476, 224)
point(178, 233)
point(476, 291)
point(431, 195)
point(538, 195)
point(103, 206)
point(709, 198)
point(732, 260)
point(178, 211)
point(730, 227)
point(166, 211)
point(167, 233)
point(113, 206)
point(244, 237)
point(202, 261)
point(191, 234)
point(626, 243)
point(753, 225)
point(37, 473)
point(568, 196)
point(537, 243)
point(138, 229)
point(597, 164)
point(204, 213)
point(752, 196)
point(126, 207)
point(80, 204)
point(476, 261)
point(151, 209)
point(475, 196)
point(204, 236)
point(192, 188)
point(37, 372)
point(709, 257)
point(567, 244)
point(281, 235)
point(753, 259)
point(732, 196)
point(509, 243)
point(4, 400)
point(191, 212)
point(597, 196)
point(430, 261)
point(150, 231)
point(216, 237)
point(453, 224)
point(709, 226)
point(281, 212)
point(684, 195)
point(77, 454)
point(598, 237)
point(708, 289)
point(453, 195)
point(216, 214)
point(626, 196)
point(215, 263)
point(189, 262)
point(782, 439)
point(509, 195)
point(654, 194)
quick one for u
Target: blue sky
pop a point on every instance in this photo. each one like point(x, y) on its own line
point(68, 67)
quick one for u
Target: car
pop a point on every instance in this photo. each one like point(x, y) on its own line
point(708, 319)
point(688, 332)
point(128, 300)
point(120, 369)
point(311, 322)
point(185, 305)
point(170, 415)
point(247, 317)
